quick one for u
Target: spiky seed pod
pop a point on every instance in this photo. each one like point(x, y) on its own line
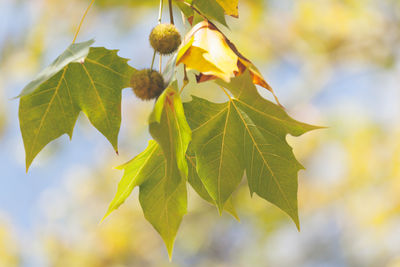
point(165, 38)
point(147, 84)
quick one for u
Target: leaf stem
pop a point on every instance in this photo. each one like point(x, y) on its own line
point(171, 13)
point(160, 64)
point(152, 61)
point(83, 18)
point(185, 79)
point(159, 22)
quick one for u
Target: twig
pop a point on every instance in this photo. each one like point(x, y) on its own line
point(83, 18)
point(159, 22)
point(171, 13)
point(152, 61)
point(185, 79)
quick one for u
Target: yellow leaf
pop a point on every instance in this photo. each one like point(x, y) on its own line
point(207, 50)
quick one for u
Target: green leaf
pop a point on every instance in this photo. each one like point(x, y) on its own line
point(50, 105)
point(264, 112)
point(212, 10)
point(258, 144)
point(164, 198)
point(169, 128)
point(217, 136)
point(198, 186)
point(209, 8)
point(161, 170)
point(186, 10)
point(74, 53)
point(162, 191)
point(136, 171)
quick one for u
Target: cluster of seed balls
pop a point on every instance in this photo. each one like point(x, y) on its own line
point(148, 84)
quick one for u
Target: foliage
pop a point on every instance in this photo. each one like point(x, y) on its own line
point(81, 79)
point(210, 145)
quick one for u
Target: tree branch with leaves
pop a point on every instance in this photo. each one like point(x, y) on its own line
point(211, 146)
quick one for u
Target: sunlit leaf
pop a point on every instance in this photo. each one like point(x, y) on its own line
point(136, 171)
point(162, 191)
point(217, 135)
point(207, 50)
point(50, 105)
point(169, 128)
point(246, 133)
point(199, 187)
point(74, 53)
point(163, 198)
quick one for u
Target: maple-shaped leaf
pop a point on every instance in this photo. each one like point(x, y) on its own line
point(217, 133)
point(246, 133)
point(136, 171)
point(83, 78)
point(161, 170)
point(162, 191)
point(169, 128)
point(196, 183)
point(164, 199)
point(74, 53)
point(207, 50)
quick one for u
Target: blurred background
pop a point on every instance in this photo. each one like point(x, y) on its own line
point(334, 63)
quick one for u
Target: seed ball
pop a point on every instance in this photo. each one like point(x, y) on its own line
point(147, 84)
point(165, 38)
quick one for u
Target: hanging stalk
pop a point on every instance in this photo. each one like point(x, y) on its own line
point(159, 22)
point(83, 18)
point(160, 10)
point(171, 13)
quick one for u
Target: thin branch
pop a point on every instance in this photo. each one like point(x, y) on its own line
point(171, 13)
point(83, 18)
point(160, 11)
point(160, 64)
point(152, 61)
point(185, 79)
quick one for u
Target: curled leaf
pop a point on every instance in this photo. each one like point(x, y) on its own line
point(207, 50)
